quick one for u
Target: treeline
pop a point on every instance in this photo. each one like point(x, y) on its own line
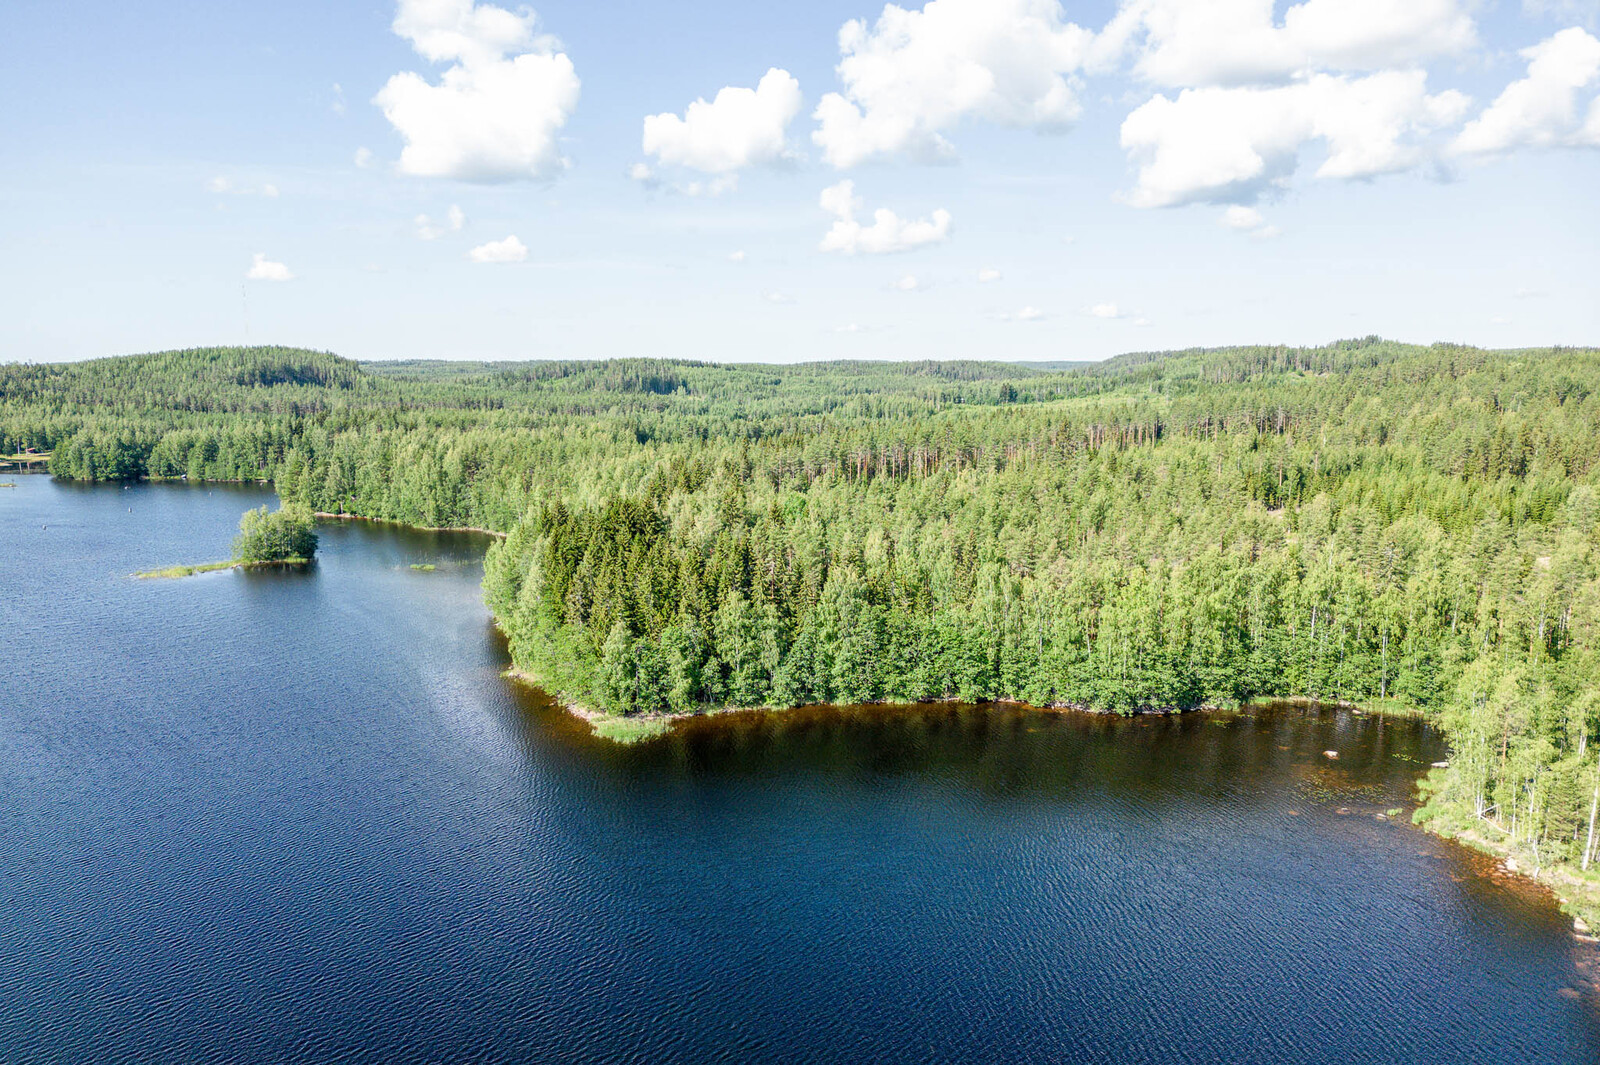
point(1369, 521)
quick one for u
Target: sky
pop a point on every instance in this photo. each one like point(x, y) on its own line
point(994, 179)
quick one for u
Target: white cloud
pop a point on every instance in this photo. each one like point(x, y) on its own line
point(988, 274)
point(1590, 133)
point(1105, 310)
point(1029, 314)
point(888, 232)
point(909, 283)
point(777, 297)
point(841, 199)
point(738, 128)
point(270, 191)
point(264, 269)
point(1245, 218)
point(1248, 220)
point(364, 157)
point(736, 256)
point(1541, 110)
point(496, 111)
point(428, 229)
point(219, 185)
point(1229, 144)
point(914, 74)
point(509, 250)
point(652, 180)
point(1183, 43)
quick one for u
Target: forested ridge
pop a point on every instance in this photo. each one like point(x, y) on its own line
point(1382, 523)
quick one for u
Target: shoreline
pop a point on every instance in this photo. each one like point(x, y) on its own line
point(636, 728)
point(177, 572)
point(1577, 893)
point(329, 515)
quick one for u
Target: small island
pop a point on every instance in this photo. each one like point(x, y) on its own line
point(283, 537)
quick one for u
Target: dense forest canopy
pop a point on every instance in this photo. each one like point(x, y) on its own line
point(1378, 522)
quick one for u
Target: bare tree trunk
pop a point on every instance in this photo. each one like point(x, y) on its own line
point(1594, 807)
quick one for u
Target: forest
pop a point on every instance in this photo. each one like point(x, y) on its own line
point(1407, 528)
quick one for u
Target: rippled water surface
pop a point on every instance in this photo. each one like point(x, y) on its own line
point(300, 817)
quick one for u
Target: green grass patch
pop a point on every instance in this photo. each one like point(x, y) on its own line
point(1391, 708)
point(211, 567)
point(184, 571)
point(627, 730)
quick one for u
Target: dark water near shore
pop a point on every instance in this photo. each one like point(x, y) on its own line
point(299, 817)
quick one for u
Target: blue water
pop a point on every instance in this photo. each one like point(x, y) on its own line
point(300, 817)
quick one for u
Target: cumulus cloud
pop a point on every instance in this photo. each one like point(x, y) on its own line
point(777, 297)
point(1225, 145)
point(1541, 110)
point(428, 229)
point(509, 250)
point(496, 111)
point(912, 75)
point(1181, 43)
point(738, 128)
point(988, 274)
point(1105, 310)
point(736, 256)
point(888, 231)
point(264, 269)
point(1243, 219)
point(909, 283)
point(364, 157)
point(1029, 314)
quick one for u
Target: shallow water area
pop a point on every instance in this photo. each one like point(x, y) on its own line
point(278, 816)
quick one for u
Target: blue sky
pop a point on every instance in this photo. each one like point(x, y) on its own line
point(1063, 180)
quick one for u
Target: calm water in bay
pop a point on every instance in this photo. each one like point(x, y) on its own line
point(300, 817)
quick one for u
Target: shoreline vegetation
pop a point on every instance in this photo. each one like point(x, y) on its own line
point(1576, 890)
point(173, 572)
point(1372, 522)
point(635, 728)
point(330, 516)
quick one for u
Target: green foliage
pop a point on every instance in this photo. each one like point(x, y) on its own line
point(1369, 521)
point(275, 536)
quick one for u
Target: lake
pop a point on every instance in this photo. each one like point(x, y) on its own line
point(301, 817)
